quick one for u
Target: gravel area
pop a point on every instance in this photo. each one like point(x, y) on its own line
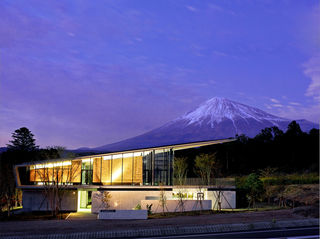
point(89, 225)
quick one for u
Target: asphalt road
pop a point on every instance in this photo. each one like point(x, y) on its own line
point(306, 232)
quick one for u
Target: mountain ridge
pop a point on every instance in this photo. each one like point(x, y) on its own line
point(216, 118)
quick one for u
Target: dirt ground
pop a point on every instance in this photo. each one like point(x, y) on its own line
point(89, 224)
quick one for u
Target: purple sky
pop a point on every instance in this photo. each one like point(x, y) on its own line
point(87, 73)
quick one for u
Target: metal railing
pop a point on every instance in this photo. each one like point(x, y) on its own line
point(217, 182)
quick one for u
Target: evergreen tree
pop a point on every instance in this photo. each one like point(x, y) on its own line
point(22, 148)
point(23, 140)
point(294, 129)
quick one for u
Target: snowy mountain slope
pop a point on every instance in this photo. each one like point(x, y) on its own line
point(217, 118)
point(217, 109)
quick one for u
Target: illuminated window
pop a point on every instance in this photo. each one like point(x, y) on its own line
point(86, 171)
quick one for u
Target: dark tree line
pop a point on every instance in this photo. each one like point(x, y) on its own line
point(289, 151)
point(22, 148)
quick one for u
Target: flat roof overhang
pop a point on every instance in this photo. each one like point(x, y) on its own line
point(173, 147)
point(200, 144)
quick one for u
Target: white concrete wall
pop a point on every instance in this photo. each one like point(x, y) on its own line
point(36, 201)
point(127, 200)
point(121, 200)
point(228, 199)
point(172, 205)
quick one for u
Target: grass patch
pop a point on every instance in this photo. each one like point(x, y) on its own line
point(258, 209)
point(177, 214)
point(211, 212)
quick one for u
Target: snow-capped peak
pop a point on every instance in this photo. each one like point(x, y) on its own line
point(217, 109)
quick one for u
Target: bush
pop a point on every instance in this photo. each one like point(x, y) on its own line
point(275, 186)
point(254, 187)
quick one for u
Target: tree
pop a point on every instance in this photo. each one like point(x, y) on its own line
point(55, 178)
point(294, 129)
point(7, 187)
point(180, 166)
point(180, 170)
point(23, 140)
point(265, 135)
point(22, 147)
point(254, 187)
point(204, 166)
point(163, 199)
point(277, 133)
point(106, 199)
point(242, 138)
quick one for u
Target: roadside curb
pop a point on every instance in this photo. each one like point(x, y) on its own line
point(176, 230)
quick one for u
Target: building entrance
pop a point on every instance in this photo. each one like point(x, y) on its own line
point(84, 200)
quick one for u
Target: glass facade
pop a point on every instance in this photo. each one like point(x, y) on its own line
point(66, 172)
point(157, 167)
point(162, 167)
point(151, 167)
point(147, 167)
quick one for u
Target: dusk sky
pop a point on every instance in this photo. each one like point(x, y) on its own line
point(87, 73)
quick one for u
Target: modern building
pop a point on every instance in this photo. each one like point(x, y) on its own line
point(117, 180)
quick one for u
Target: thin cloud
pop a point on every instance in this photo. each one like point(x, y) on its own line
point(191, 8)
point(220, 53)
point(295, 110)
point(312, 70)
point(277, 105)
point(294, 103)
point(274, 100)
point(220, 9)
point(311, 113)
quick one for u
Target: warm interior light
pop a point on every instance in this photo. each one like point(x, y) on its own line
point(51, 165)
point(107, 157)
point(127, 155)
point(137, 154)
point(117, 156)
point(116, 174)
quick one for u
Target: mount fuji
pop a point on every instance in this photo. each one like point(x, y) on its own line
point(217, 118)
